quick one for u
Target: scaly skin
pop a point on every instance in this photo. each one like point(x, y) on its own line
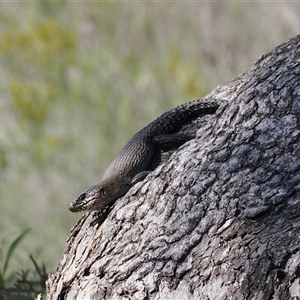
point(136, 155)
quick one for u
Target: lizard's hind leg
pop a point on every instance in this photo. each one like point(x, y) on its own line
point(166, 141)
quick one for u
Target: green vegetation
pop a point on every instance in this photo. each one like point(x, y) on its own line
point(79, 79)
point(26, 284)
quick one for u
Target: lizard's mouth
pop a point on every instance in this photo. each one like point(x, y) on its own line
point(82, 203)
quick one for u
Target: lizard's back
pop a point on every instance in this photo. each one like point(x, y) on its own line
point(137, 153)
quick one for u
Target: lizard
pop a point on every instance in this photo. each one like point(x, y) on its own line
point(131, 164)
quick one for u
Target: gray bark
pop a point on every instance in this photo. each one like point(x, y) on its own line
point(220, 219)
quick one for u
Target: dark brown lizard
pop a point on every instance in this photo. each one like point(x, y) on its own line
point(132, 163)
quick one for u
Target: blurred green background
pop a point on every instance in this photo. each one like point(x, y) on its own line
point(79, 79)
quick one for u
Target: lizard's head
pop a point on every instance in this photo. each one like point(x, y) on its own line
point(96, 197)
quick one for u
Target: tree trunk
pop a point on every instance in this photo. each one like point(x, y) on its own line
point(220, 219)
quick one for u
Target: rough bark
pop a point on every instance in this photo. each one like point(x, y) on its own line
point(220, 219)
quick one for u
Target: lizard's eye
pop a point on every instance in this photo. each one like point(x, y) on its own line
point(102, 193)
point(81, 197)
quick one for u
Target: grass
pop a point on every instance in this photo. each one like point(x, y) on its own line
point(79, 79)
point(26, 283)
